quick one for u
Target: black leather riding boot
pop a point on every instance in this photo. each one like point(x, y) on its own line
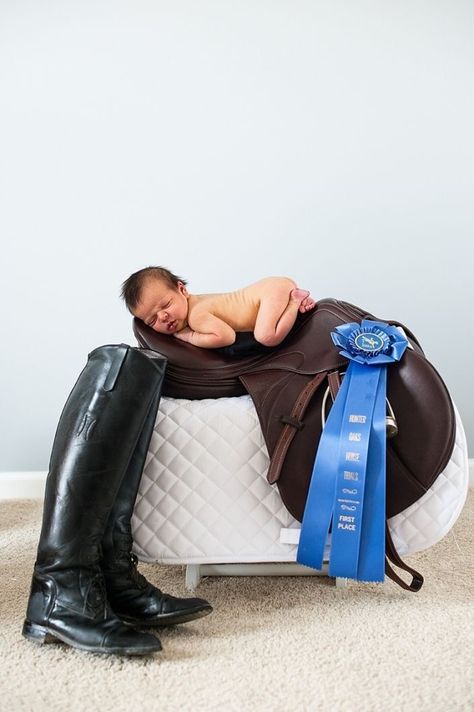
point(130, 595)
point(96, 437)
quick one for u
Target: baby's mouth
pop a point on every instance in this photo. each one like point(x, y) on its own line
point(172, 325)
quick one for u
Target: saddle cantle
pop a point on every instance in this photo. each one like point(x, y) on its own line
point(289, 384)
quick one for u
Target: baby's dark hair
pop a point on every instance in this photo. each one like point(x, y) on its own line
point(133, 286)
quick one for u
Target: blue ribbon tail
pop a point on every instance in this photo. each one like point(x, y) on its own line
point(372, 545)
point(320, 500)
point(351, 466)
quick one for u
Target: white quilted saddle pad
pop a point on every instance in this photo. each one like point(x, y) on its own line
point(204, 497)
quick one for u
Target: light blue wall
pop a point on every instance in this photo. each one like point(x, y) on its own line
point(330, 141)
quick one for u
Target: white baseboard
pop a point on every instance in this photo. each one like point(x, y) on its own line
point(30, 485)
point(22, 485)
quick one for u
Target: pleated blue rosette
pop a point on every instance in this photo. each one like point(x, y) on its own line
point(347, 485)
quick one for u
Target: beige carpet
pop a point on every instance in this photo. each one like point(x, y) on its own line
point(271, 644)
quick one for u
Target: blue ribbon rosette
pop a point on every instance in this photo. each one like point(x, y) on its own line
point(348, 480)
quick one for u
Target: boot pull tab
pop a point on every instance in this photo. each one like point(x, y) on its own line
point(115, 366)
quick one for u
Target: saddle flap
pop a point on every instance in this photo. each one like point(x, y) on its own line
point(281, 399)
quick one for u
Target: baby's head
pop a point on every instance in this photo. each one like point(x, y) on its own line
point(158, 297)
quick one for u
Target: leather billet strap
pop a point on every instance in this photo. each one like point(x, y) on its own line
point(391, 554)
point(334, 381)
point(293, 422)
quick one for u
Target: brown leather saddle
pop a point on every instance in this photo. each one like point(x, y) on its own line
point(289, 385)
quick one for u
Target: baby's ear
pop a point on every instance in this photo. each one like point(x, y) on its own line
point(182, 289)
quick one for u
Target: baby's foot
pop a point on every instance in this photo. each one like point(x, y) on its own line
point(305, 302)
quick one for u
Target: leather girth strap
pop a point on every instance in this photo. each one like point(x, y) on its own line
point(391, 554)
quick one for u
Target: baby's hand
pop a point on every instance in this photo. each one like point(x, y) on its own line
point(185, 334)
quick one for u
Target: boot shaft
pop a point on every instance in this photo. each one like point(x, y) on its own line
point(97, 434)
point(117, 541)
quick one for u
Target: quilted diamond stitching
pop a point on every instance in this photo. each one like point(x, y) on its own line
point(203, 496)
point(430, 518)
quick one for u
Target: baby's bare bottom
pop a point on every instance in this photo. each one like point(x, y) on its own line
point(277, 314)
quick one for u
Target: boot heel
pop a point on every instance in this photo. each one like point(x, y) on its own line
point(37, 633)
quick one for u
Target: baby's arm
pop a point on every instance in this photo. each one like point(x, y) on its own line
point(208, 332)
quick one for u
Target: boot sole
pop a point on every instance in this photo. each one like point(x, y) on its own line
point(43, 635)
point(166, 619)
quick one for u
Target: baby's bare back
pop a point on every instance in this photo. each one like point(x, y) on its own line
point(238, 309)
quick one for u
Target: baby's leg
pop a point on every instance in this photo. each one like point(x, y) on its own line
point(277, 314)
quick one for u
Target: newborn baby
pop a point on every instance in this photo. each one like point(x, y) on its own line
point(268, 308)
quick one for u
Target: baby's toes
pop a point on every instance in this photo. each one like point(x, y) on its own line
point(307, 304)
